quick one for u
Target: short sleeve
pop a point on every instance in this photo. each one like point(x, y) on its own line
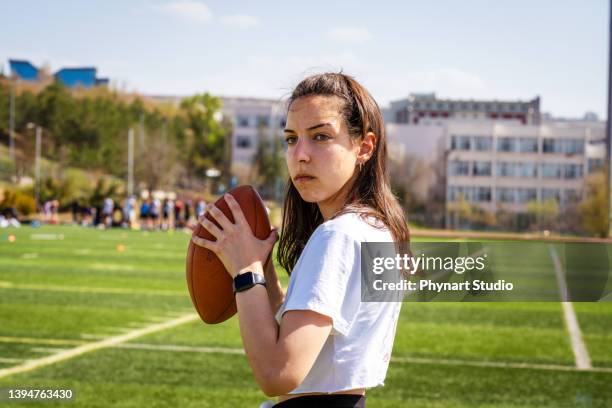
point(327, 279)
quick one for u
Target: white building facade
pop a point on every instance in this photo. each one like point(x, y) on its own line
point(252, 119)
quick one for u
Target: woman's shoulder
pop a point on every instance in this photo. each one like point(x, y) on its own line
point(356, 226)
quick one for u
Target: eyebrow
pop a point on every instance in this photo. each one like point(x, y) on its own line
point(310, 128)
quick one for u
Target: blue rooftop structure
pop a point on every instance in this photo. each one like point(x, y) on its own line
point(73, 77)
point(23, 70)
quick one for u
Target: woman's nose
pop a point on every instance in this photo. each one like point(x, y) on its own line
point(300, 151)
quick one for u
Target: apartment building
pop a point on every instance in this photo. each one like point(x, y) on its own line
point(497, 165)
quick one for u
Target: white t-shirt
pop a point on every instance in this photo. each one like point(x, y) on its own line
point(327, 279)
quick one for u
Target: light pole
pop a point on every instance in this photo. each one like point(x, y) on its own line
point(130, 180)
point(12, 124)
point(608, 127)
point(37, 157)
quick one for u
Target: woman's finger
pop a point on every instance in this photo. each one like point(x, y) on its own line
point(204, 243)
point(235, 209)
point(211, 227)
point(218, 215)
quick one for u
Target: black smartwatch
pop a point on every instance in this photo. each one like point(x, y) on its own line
point(247, 280)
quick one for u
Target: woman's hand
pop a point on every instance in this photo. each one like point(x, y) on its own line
point(235, 244)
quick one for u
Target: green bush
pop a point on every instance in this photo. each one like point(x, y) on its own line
point(24, 203)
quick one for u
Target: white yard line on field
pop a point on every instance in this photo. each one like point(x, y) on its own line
point(581, 354)
point(97, 345)
point(87, 289)
point(413, 360)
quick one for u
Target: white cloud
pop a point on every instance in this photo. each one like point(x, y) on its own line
point(353, 35)
point(188, 10)
point(241, 21)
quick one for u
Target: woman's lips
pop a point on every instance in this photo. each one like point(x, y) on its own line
point(303, 179)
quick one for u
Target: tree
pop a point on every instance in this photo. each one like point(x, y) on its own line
point(593, 209)
point(203, 138)
point(544, 213)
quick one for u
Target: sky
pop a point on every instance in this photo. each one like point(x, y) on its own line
point(471, 49)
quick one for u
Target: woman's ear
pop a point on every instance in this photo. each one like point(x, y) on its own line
point(366, 147)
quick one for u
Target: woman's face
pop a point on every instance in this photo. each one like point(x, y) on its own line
point(321, 157)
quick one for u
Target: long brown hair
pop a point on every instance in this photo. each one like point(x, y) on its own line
point(370, 194)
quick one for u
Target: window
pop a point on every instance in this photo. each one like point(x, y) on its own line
point(460, 142)
point(528, 145)
point(567, 146)
point(572, 171)
point(571, 196)
point(573, 146)
point(482, 143)
point(551, 170)
point(243, 142)
point(550, 146)
point(506, 144)
point(505, 195)
point(469, 193)
point(242, 121)
point(506, 169)
point(263, 120)
point(483, 194)
point(551, 193)
point(594, 165)
point(527, 194)
point(529, 170)
point(455, 192)
point(460, 168)
point(482, 168)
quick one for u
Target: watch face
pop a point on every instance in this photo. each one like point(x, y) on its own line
point(246, 281)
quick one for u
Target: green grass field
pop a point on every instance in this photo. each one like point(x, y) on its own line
point(62, 288)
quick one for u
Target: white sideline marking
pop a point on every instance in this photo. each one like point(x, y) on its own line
point(48, 350)
point(34, 340)
point(581, 354)
point(239, 351)
point(87, 289)
point(170, 347)
point(10, 360)
point(497, 364)
point(415, 360)
point(105, 343)
point(91, 336)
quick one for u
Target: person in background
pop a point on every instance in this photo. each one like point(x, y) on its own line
point(144, 214)
point(178, 214)
point(188, 205)
point(168, 209)
point(200, 208)
point(107, 211)
point(154, 213)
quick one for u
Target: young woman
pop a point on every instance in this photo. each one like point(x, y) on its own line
point(319, 345)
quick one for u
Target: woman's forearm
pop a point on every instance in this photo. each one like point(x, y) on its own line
point(259, 332)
